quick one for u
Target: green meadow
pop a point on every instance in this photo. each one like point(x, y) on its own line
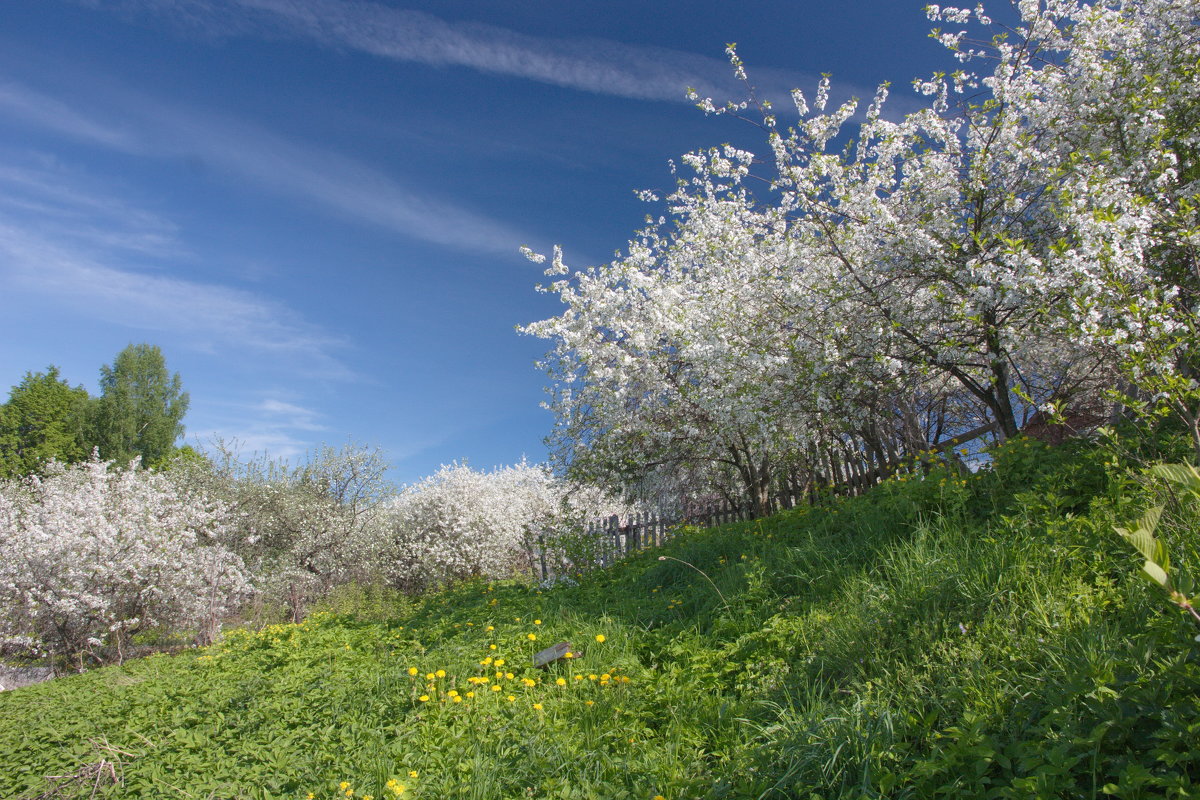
point(982, 635)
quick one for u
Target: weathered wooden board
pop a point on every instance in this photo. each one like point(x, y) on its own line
point(552, 654)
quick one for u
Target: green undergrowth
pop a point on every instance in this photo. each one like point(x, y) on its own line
point(963, 636)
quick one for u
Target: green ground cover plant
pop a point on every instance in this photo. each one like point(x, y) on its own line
point(980, 635)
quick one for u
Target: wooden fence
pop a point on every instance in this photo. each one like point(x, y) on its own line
point(847, 472)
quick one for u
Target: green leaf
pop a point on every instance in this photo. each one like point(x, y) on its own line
point(1142, 537)
point(1156, 574)
point(1185, 476)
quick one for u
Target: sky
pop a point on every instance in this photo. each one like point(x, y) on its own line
point(315, 207)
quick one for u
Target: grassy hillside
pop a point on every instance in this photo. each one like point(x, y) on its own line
point(980, 636)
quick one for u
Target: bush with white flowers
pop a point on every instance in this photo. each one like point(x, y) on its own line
point(460, 523)
point(91, 554)
point(303, 528)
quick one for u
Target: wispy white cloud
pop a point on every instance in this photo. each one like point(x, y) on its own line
point(291, 415)
point(206, 316)
point(20, 101)
point(593, 65)
point(339, 183)
point(265, 426)
point(261, 158)
point(59, 205)
point(588, 64)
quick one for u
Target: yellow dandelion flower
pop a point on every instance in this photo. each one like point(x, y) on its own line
point(537, 706)
point(491, 647)
point(470, 694)
point(499, 662)
point(491, 628)
point(528, 681)
point(590, 703)
point(452, 693)
point(537, 622)
point(441, 673)
point(578, 677)
point(593, 676)
point(531, 637)
point(412, 670)
point(561, 681)
point(344, 785)
point(424, 698)
point(600, 637)
point(495, 687)
point(456, 699)
point(412, 773)
point(568, 654)
point(398, 789)
point(429, 676)
point(512, 697)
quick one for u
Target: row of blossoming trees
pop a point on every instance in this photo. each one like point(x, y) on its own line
point(1025, 243)
point(94, 554)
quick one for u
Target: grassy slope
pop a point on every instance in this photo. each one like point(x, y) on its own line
point(977, 638)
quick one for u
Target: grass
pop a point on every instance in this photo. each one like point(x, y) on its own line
point(981, 636)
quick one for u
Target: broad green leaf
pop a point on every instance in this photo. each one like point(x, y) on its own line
point(1156, 574)
point(1184, 475)
point(1161, 556)
point(1142, 537)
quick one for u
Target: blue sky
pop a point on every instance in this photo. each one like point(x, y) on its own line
point(314, 207)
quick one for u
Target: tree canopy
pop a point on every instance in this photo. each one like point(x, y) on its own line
point(44, 418)
point(139, 413)
point(141, 407)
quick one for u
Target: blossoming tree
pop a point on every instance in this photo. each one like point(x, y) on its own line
point(92, 554)
point(1013, 249)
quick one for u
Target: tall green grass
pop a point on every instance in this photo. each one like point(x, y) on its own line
point(980, 636)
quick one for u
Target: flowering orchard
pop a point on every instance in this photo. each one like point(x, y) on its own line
point(1026, 241)
point(91, 554)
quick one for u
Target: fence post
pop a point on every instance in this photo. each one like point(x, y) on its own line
point(542, 555)
point(614, 534)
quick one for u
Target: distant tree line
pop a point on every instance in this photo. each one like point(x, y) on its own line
point(139, 413)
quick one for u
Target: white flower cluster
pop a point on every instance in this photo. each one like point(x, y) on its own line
point(91, 554)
